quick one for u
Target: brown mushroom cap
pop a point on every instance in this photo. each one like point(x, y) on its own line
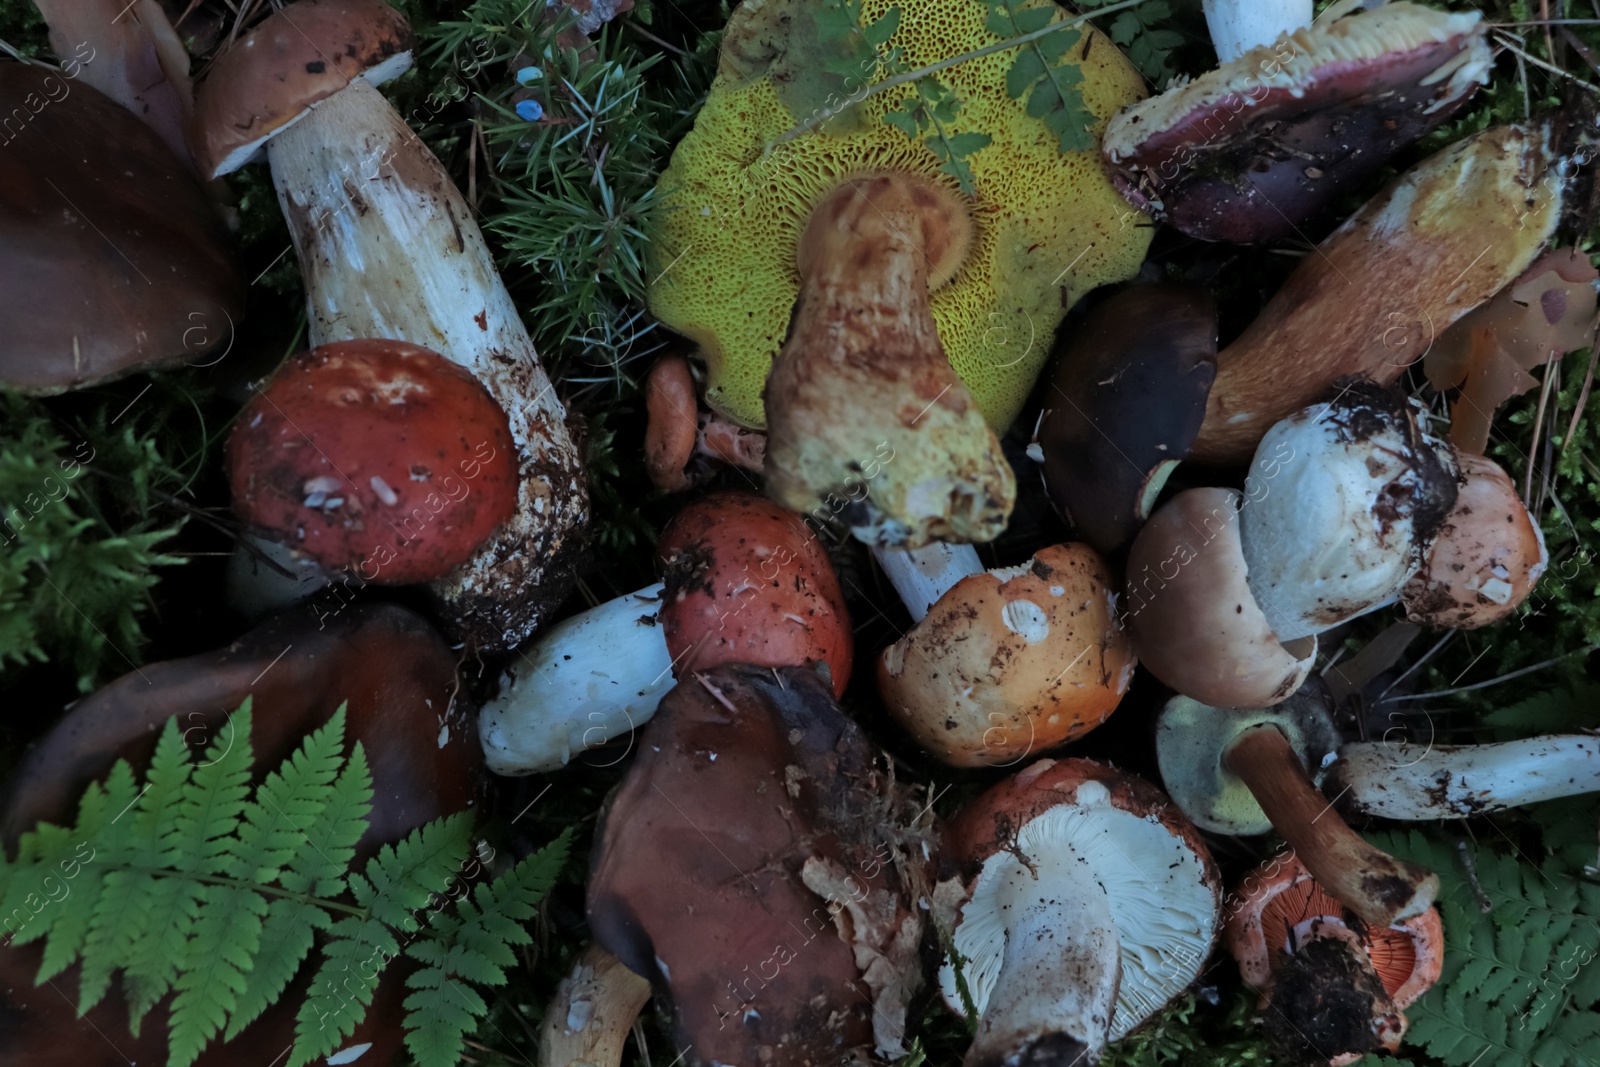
point(1012, 662)
point(269, 78)
point(671, 411)
point(111, 258)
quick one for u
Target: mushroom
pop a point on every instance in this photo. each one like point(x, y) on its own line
point(679, 437)
point(388, 248)
point(1010, 661)
point(764, 874)
point(1486, 558)
point(1438, 241)
point(897, 314)
point(587, 1022)
point(1243, 771)
point(397, 680)
point(1082, 902)
point(1409, 781)
point(746, 581)
point(111, 258)
point(1192, 613)
point(1296, 115)
point(377, 457)
point(1127, 400)
point(1341, 507)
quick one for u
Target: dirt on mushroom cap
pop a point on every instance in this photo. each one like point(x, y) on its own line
point(1049, 226)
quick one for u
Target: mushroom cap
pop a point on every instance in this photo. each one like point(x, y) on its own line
point(1487, 557)
point(1247, 152)
point(1192, 738)
point(1161, 884)
point(274, 75)
point(1341, 505)
point(1126, 402)
point(747, 581)
point(1011, 662)
point(672, 414)
point(1048, 226)
point(381, 456)
point(111, 258)
point(1194, 620)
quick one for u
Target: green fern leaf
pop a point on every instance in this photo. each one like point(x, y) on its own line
point(289, 801)
point(287, 935)
point(324, 851)
point(221, 952)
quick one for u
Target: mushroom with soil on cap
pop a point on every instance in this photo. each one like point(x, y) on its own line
point(923, 311)
point(1296, 115)
point(1243, 771)
point(111, 258)
point(1082, 902)
point(746, 582)
point(388, 248)
point(1331, 986)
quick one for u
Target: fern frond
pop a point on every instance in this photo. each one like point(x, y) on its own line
point(288, 803)
point(287, 935)
point(325, 849)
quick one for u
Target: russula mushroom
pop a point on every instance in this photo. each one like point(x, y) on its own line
point(1331, 986)
point(1487, 557)
point(922, 312)
point(111, 258)
point(377, 457)
point(761, 870)
point(1341, 506)
point(1243, 771)
point(397, 679)
point(1296, 114)
point(1011, 661)
point(388, 248)
point(746, 582)
point(1408, 781)
point(1192, 613)
point(587, 1022)
point(1082, 902)
point(1126, 401)
point(1441, 239)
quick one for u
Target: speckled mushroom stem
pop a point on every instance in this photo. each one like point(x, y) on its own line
point(1372, 883)
point(866, 418)
point(588, 1020)
point(1452, 781)
point(388, 248)
point(922, 575)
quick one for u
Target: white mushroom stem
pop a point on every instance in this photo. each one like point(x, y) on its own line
point(595, 1006)
point(1449, 781)
point(388, 248)
point(922, 575)
point(1239, 25)
point(586, 680)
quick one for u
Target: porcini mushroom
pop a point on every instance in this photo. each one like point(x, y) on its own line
point(746, 582)
point(1243, 771)
point(388, 248)
point(922, 312)
point(1296, 114)
point(1082, 903)
point(1410, 781)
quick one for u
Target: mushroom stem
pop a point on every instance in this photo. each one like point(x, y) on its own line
point(1372, 883)
point(865, 415)
point(1239, 25)
point(586, 680)
point(922, 575)
point(595, 1005)
point(388, 248)
point(1451, 781)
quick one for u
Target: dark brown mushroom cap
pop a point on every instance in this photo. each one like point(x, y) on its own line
point(398, 678)
point(1249, 151)
point(1127, 401)
point(293, 58)
point(111, 258)
point(754, 806)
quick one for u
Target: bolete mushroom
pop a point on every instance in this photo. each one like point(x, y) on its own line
point(1409, 781)
point(1081, 903)
point(388, 248)
point(922, 310)
point(1243, 771)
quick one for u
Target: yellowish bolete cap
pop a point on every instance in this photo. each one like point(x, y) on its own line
point(1047, 224)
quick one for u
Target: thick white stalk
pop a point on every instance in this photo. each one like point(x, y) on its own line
point(388, 248)
point(1449, 781)
point(1239, 25)
point(922, 575)
point(586, 680)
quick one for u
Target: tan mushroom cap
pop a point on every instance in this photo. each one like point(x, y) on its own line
point(273, 75)
point(1195, 624)
point(671, 423)
point(1012, 662)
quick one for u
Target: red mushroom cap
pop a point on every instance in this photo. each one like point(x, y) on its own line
point(380, 456)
